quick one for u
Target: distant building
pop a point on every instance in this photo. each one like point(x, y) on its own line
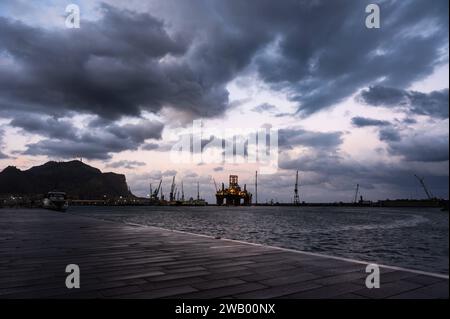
point(233, 195)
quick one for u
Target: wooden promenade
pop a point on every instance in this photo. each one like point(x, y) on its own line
point(130, 261)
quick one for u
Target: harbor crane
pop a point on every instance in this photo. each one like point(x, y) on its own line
point(156, 192)
point(256, 188)
point(182, 191)
point(296, 197)
point(198, 191)
point(356, 194)
point(425, 188)
point(172, 190)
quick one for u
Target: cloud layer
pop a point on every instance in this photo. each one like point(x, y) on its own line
point(127, 62)
point(117, 66)
point(364, 121)
point(434, 104)
point(64, 140)
point(125, 66)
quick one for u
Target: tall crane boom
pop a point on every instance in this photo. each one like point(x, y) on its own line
point(296, 198)
point(256, 187)
point(155, 194)
point(215, 185)
point(172, 190)
point(356, 194)
point(182, 191)
point(422, 182)
point(198, 191)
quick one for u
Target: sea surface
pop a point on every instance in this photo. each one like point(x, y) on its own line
point(415, 238)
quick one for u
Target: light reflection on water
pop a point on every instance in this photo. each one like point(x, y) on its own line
point(415, 238)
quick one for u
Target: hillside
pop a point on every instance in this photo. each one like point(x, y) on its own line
point(78, 180)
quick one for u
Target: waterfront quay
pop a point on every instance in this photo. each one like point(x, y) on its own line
point(119, 260)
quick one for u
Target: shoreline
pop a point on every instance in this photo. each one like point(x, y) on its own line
point(416, 271)
point(443, 204)
point(119, 260)
point(214, 233)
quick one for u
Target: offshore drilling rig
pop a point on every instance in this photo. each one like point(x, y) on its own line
point(233, 194)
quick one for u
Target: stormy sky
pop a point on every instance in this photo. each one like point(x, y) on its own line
point(351, 105)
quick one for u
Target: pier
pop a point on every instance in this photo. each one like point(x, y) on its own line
point(132, 261)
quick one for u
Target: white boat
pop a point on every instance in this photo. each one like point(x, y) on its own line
point(56, 201)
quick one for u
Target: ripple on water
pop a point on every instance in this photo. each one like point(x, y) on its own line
point(412, 238)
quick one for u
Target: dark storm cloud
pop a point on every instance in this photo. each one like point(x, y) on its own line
point(321, 162)
point(50, 127)
point(365, 121)
point(126, 62)
point(288, 138)
point(72, 149)
point(319, 51)
point(435, 104)
point(380, 95)
point(139, 132)
point(417, 147)
point(324, 53)
point(389, 134)
point(422, 148)
point(409, 120)
point(119, 65)
point(125, 164)
point(100, 143)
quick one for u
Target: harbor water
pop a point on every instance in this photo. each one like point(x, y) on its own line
point(415, 238)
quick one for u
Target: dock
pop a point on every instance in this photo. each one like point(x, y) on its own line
point(119, 260)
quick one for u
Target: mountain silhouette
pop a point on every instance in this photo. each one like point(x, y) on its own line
point(78, 180)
